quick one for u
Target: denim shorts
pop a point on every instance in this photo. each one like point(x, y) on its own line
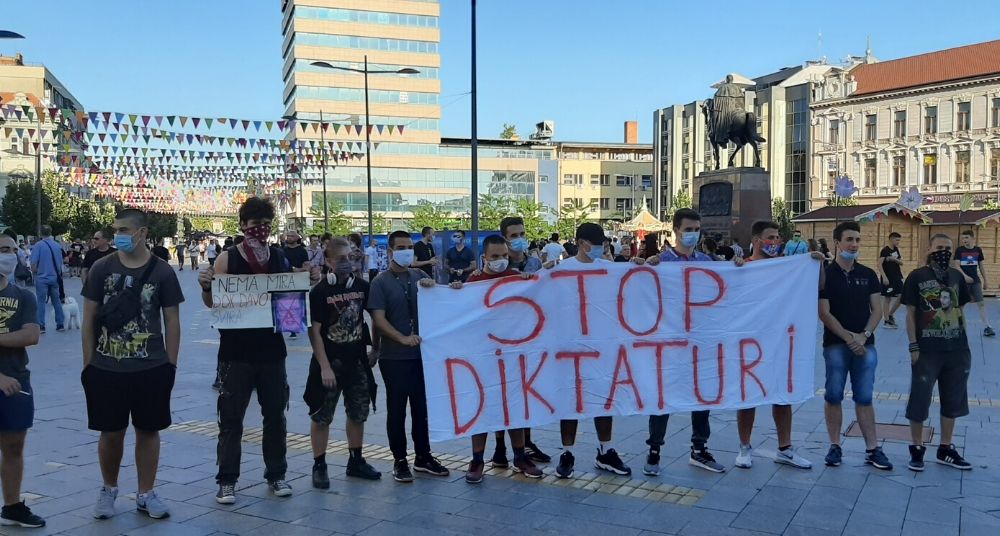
point(840, 361)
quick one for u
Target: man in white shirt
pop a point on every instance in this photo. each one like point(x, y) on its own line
point(371, 259)
point(553, 251)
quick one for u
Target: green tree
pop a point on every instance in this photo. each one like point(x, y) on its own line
point(91, 216)
point(492, 209)
point(991, 204)
point(835, 201)
point(18, 209)
point(188, 226)
point(340, 223)
point(509, 132)
point(535, 224)
point(681, 200)
point(162, 225)
point(781, 213)
point(380, 224)
point(427, 214)
point(572, 214)
point(63, 204)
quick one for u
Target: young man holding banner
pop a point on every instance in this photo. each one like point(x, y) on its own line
point(766, 241)
point(251, 359)
point(850, 306)
point(590, 250)
point(496, 264)
point(340, 362)
point(393, 305)
point(687, 230)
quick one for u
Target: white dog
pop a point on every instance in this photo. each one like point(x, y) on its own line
point(72, 312)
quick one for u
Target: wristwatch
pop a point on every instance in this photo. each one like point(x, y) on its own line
point(867, 334)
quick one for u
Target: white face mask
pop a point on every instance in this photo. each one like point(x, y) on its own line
point(402, 257)
point(8, 263)
point(497, 266)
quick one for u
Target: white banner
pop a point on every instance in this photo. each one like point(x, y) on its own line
point(618, 339)
point(280, 301)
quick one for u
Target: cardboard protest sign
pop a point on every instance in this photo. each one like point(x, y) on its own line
point(618, 339)
point(278, 301)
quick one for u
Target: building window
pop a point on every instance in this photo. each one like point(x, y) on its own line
point(605, 203)
point(871, 127)
point(930, 120)
point(605, 179)
point(963, 166)
point(964, 120)
point(623, 204)
point(995, 113)
point(870, 173)
point(898, 170)
point(575, 179)
point(995, 164)
point(899, 124)
point(595, 180)
point(623, 180)
point(930, 169)
point(543, 179)
point(834, 131)
point(647, 181)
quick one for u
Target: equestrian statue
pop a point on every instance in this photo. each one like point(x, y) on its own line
point(728, 121)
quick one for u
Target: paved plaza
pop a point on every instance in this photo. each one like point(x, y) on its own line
point(62, 475)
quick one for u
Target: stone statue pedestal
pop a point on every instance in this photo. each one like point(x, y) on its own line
point(731, 200)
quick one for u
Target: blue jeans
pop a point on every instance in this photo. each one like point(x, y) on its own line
point(840, 361)
point(45, 289)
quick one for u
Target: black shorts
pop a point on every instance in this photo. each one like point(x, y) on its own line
point(113, 396)
point(950, 370)
point(893, 289)
point(17, 412)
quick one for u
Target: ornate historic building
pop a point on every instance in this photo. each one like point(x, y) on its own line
point(930, 121)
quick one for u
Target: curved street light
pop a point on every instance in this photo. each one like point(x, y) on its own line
point(7, 34)
point(368, 130)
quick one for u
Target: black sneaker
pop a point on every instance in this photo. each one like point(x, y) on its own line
point(321, 479)
point(359, 468)
point(565, 467)
point(499, 460)
point(916, 458)
point(279, 488)
point(834, 456)
point(60, 328)
point(20, 515)
point(988, 332)
point(431, 466)
point(947, 455)
point(704, 459)
point(226, 494)
point(609, 461)
point(293, 336)
point(535, 454)
point(401, 471)
point(652, 467)
point(877, 459)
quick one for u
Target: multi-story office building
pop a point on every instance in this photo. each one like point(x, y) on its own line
point(25, 90)
point(612, 178)
point(780, 100)
point(930, 121)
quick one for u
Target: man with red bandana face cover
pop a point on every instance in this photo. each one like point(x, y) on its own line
point(251, 359)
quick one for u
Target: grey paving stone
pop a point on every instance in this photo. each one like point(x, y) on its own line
point(168, 528)
point(275, 528)
point(502, 515)
point(728, 499)
point(932, 509)
point(580, 527)
point(769, 518)
point(340, 521)
point(227, 522)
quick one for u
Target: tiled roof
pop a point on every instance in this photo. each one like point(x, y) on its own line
point(944, 65)
point(831, 213)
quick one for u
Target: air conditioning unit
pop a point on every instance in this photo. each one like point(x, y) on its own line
point(544, 130)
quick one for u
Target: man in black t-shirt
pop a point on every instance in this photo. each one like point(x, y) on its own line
point(890, 268)
point(294, 251)
point(969, 258)
point(423, 252)
point(850, 306)
point(939, 350)
point(101, 248)
point(459, 259)
point(340, 363)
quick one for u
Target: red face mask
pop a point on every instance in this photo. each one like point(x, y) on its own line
point(258, 232)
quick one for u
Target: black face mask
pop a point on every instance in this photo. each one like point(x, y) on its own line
point(939, 262)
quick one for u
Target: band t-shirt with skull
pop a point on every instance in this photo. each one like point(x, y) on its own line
point(139, 344)
point(339, 310)
point(939, 320)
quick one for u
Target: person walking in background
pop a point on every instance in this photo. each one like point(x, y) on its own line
point(371, 259)
point(459, 260)
point(213, 251)
point(423, 251)
point(357, 255)
point(969, 258)
point(193, 254)
point(46, 264)
point(890, 268)
point(180, 250)
point(161, 251)
point(553, 251)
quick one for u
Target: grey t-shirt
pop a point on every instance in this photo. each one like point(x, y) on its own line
point(139, 345)
point(17, 308)
point(396, 294)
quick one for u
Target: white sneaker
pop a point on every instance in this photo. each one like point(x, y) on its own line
point(105, 507)
point(790, 457)
point(745, 458)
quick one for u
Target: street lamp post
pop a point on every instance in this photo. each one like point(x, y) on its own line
point(368, 126)
point(322, 168)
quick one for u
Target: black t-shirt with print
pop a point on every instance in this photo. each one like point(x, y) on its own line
point(17, 308)
point(969, 259)
point(139, 344)
point(849, 294)
point(340, 311)
point(893, 271)
point(939, 319)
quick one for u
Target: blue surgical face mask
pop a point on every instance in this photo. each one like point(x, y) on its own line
point(848, 255)
point(519, 244)
point(402, 257)
point(125, 243)
point(596, 252)
point(690, 240)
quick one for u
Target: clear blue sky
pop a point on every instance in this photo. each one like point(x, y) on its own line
point(587, 65)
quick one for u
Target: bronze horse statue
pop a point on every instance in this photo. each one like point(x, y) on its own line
point(741, 131)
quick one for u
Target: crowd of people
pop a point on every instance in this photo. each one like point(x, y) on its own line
point(132, 331)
